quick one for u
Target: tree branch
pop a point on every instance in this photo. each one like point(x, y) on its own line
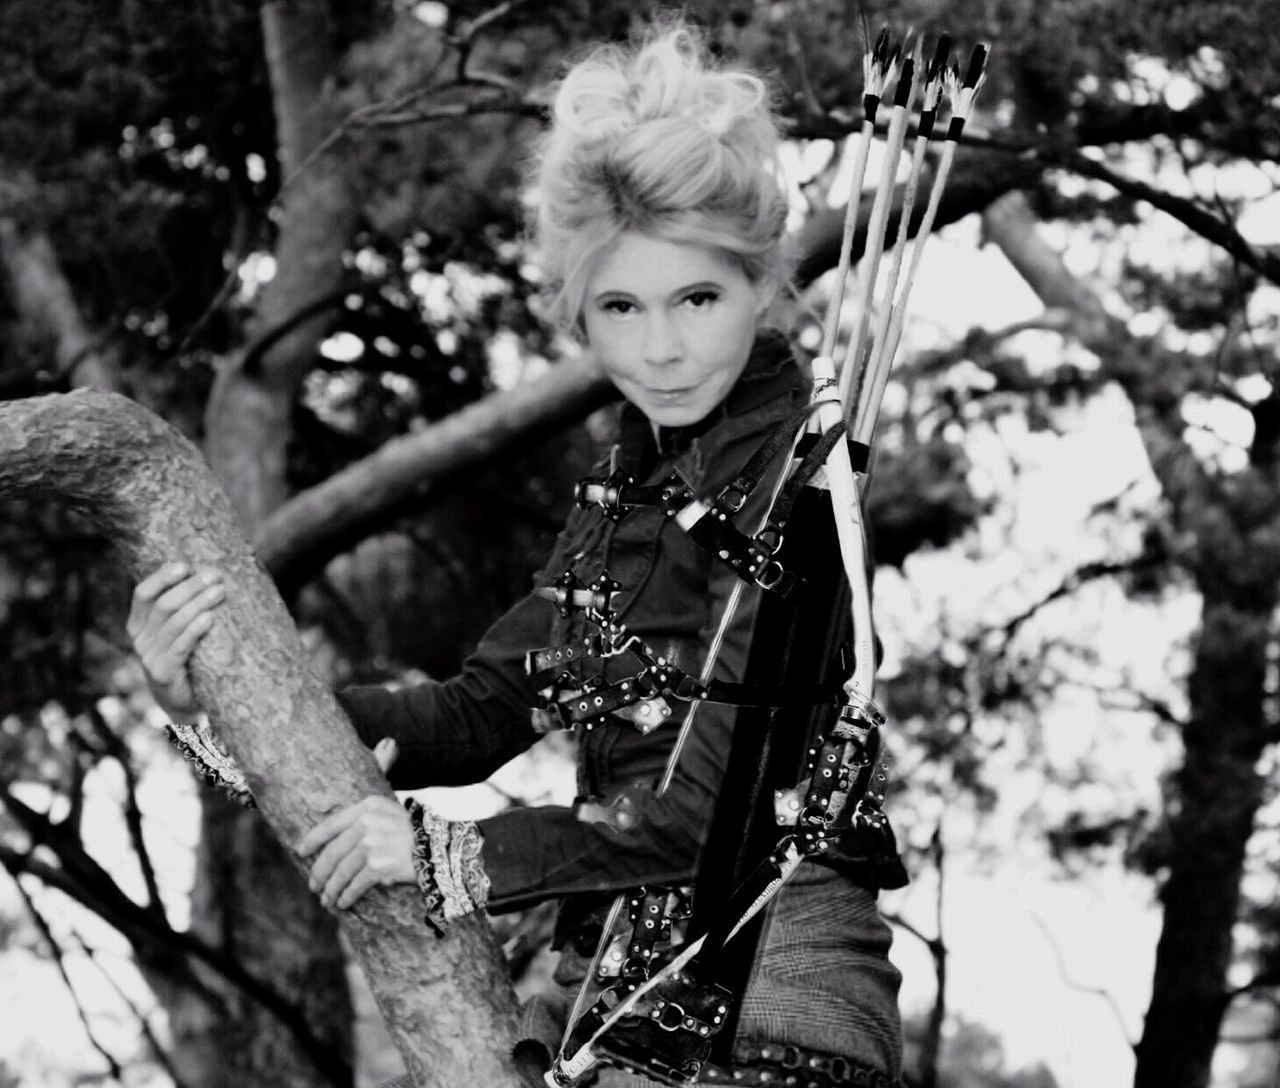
point(1072, 581)
point(84, 880)
point(113, 1066)
point(448, 1004)
point(1065, 975)
point(144, 1025)
point(42, 295)
point(1187, 212)
point(119, 751)
point(308, 530)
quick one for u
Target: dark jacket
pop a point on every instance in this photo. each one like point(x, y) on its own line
point(620, 834)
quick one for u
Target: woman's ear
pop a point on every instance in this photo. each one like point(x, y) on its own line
point(766, 291)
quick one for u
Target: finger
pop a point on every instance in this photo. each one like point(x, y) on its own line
point(385, 753)
point(332, 856)
point(326, 829)
point(148, 624)
point(365, 879)
point(351, 863)
point(164, 650)
point(194, 632)
point(146, 591)
point(203, 601)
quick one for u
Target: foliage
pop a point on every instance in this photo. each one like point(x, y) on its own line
point(139, 137)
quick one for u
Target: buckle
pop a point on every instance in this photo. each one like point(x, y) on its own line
point(688, 687)
point(769, 539)
point(606, 493)
point(732, 498)
point(662, 1015)
point(770, 574)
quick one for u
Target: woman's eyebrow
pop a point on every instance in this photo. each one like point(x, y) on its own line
point(677, 292)
point(698, 285)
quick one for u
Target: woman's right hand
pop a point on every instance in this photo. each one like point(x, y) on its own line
point(171, 611)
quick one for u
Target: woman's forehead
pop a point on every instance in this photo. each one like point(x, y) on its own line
point(645, 266)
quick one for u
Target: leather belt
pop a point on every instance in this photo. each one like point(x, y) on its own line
point(774, 1065)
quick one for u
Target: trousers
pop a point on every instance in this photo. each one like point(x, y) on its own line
point(822, 981)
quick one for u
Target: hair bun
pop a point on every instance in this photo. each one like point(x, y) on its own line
point(610, 93)
point(657, 138)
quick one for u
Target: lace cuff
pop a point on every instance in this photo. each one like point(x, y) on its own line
point(446, 858)
point(208, 755)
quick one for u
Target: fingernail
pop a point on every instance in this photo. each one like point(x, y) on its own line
point(179, 568)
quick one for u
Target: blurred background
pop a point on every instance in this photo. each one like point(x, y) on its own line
point(294, 230)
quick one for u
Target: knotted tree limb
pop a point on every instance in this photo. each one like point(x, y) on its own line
point(311, 528)
point(448, 1003)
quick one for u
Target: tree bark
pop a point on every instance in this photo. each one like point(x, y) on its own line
point(1217, 794)
point(41, 295)
point(246, 899)
point(448, 1003)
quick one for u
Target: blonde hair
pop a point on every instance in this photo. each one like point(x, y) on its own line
point(657, 139)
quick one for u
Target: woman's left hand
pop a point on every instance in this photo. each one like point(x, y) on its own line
point(361, 846)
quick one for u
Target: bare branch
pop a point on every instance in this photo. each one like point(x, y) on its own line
point(85, 881)
point(525, 107)
point(464, 41)
point(1190, 214)
point(396, 113)
point(1141, 701)
point(144, 1025)
point(119, 751)
point(1065, 975)
point(1266, 980)
point(55, 950)
point(1071, 582)
point(898, 920)
point(468, 33)
point(1052, 319)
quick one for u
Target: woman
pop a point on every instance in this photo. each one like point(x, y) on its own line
point(659, 228)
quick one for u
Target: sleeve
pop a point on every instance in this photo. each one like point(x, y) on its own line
point(457, 731)
point(644, 837)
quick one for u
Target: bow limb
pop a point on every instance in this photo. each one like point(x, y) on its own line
point(846, 506)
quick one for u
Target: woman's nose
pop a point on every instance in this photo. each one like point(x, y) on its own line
point(663, 344)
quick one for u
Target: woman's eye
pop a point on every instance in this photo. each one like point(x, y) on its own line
point(697, 300)
point(618, 306)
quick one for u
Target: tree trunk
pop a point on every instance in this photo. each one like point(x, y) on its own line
point(245, 898)
point(448, 1003)
point(1217, 791)
point(41, 295)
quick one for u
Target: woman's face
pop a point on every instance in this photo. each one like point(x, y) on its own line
point(671, 324)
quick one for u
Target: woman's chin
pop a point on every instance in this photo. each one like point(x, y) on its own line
point(674, 415)
point(676, 411)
